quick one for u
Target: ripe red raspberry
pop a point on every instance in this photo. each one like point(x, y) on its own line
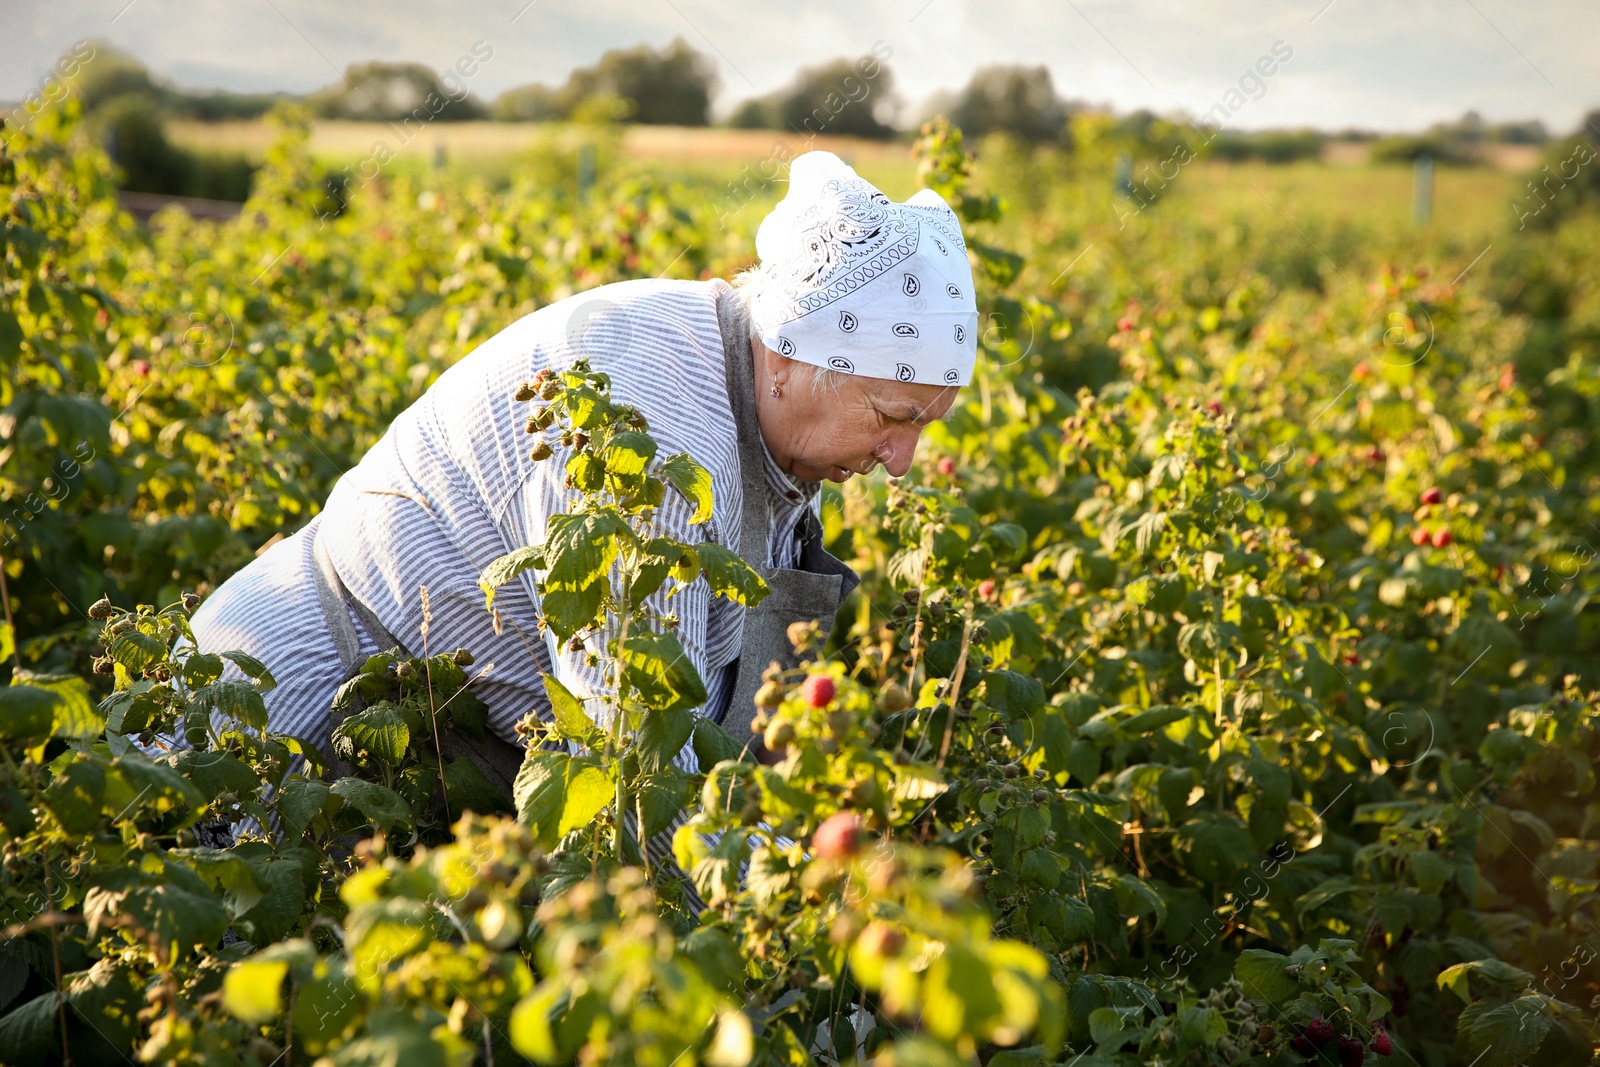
point(1433, 495)
point(1442, 537)
point(1320, 1031)
point(839, 836)
point(1381, 1044)
point(1351, 1052)
point(1303, 1046)
point(947, 466)
point(986, 588)
point(1362, 370)
point(1420, 535)
point(818, 690)
point(1214, 406)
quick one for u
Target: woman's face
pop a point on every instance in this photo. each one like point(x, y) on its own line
point(817, 433)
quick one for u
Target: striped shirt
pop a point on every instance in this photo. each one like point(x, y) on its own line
point(450, 487)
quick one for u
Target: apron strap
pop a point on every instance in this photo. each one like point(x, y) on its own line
point(739, 365)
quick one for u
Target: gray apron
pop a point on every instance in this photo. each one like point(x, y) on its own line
point(812, 592)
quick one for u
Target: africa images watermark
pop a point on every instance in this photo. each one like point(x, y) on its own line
point(430, 108)
point(1581, 156)
point(56, 87)
point(851, 91)
point(1252, 85)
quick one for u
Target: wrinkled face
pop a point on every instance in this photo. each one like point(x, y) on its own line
point(817, 433)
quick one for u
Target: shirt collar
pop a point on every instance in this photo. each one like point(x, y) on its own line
point(789, 491)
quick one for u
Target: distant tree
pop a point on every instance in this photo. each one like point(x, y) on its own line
point(374, 92)
point(1269, 146)
point(850, 97)
point(114, 73)
point(1017, 100)
point(1590, 127)
point(665, 87)
point(757, 113)
point(528, 103)
point(1529, 132)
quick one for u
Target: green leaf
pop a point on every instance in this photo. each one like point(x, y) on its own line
point(381, 806)
point(1010, 539)
point(662, 796)
point(579, 552)
point(692, 480)
point(28, 1033)
point(227, 870)
point(201, 669)
point(75, 715)
point(468, 789)
point(713, 744)
point(214, 773)
point(27, 712)
point(1432, 871)
point(379, 731)
point(658, 669)
point(299, 801)
point(1265, 975)
point(570, 715)
point(158, 786)
point(507, 567)
point(74, 797)
point(272, 917)
point(137, 651)
point(628, 453)
point(254, 669)
point(325, 1004)
point(238, 701)
point(556, 793)
point(252, 990)
point(661, 736)
point(730, 576)
point(1017, 695)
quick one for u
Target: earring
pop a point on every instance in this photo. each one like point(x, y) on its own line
point(776, 392)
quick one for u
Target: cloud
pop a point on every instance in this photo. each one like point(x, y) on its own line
point(1363, 63)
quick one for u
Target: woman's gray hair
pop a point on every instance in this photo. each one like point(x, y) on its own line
point(749, 284)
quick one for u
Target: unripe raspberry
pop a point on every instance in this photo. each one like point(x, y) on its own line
point(778, 735)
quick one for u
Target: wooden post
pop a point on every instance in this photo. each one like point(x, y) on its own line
point(1422, 189)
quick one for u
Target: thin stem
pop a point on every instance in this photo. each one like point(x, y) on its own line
point(55, 955)
point(5, 598)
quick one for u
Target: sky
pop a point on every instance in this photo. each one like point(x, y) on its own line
point(1370, 64)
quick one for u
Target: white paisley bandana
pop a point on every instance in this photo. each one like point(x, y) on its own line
point(860, 284)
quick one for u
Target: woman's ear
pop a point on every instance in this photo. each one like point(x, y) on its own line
point(773, 368)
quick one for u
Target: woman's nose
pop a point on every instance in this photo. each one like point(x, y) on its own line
point(898, 450)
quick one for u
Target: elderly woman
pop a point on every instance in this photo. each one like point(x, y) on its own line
point(825, 361)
